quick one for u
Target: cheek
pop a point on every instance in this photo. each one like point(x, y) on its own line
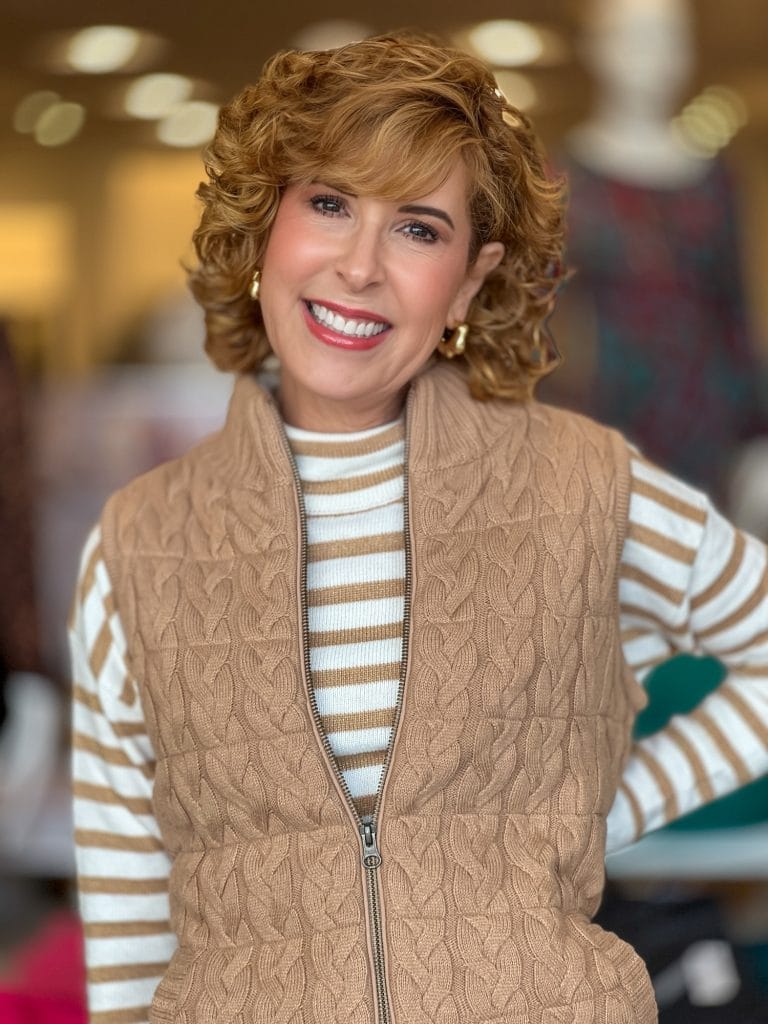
point(433, 291)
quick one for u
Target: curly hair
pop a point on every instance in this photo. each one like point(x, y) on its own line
point(340, 115)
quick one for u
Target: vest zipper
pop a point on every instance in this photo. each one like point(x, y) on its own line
point(371, 857)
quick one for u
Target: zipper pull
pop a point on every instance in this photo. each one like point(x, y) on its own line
point(371, 855)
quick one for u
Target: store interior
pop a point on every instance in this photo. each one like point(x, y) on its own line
point(655, 113)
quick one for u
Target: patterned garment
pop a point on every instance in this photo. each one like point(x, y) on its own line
point(675, 369)
point(688, 582)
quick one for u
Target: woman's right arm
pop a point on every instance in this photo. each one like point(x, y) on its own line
point(122, 866)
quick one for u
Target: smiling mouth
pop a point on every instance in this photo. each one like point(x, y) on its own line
point(348, 326)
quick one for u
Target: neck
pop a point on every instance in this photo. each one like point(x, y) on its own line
point(333, 416)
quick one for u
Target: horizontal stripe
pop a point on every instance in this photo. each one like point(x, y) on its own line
point(652, 583)
point(363, 720)
point(110, 755)
point(128, 1015)
point(87, 699)
point(115, 929)
point(366, 805)
point(637, 611)
point(125, 972)
point(669, 501)
point(357, 592)
point(122, 886)
point(357, 635)
point(365, 760)
point(363, 674)
point(379, 441)
point(106, 795)
point(113, 841)
point(659, 542)
point(354, 546)
point(354, 656)
point(355, 483)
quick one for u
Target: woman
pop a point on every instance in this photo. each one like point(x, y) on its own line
point(353, 676)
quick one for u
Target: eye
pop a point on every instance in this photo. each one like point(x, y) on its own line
point(328, 205)
point(421, 232)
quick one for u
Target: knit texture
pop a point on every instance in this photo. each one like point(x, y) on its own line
point(509, 748)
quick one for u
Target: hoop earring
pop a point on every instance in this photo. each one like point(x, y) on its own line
point(253, 291)
point(456, 342)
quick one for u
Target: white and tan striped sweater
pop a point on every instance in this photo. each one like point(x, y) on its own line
point(689, 582)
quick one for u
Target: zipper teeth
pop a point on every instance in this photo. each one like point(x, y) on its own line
point(377, 938)
point(406, 622)
point(371, 878)
point(305, 627)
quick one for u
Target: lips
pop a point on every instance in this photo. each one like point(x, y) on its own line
point(344, 327)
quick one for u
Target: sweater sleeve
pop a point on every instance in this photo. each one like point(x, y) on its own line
point(122, 867)
point(691, 582)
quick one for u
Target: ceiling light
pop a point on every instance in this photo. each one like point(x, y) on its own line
point(507, 43)
point(29, 110)
point(155, 96)
point(59, 123)
point(327, 35)
point(103, 48)
point(190, 124)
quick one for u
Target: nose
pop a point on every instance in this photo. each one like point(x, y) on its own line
point(360, 261)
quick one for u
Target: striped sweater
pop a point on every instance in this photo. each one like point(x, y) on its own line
point(689, 582)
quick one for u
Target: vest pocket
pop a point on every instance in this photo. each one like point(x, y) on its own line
point(167, 997)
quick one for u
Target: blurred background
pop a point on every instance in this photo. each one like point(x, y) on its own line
point(657, 113)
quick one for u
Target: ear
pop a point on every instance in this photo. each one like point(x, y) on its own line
point(487, 259)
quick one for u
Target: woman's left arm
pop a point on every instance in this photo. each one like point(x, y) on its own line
point(691, 582)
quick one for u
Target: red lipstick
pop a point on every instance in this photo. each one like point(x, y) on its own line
point(334, 338)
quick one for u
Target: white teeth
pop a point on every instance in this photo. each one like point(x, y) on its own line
point(351, 328)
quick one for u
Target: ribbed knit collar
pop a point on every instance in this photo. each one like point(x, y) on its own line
point(445, 427)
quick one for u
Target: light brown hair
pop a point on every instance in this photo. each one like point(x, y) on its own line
point(386, 117)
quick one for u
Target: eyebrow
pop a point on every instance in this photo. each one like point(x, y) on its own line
point(428, 211)
point(423, 211)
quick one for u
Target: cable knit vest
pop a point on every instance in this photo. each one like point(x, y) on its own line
point(515, 718)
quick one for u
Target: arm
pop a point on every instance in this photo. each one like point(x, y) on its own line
point(122, 866)
point(691, 582)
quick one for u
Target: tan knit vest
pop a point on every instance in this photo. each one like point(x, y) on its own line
point(515, 723)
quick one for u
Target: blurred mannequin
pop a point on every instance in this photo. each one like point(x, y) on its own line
point(654, 320)
point(640, 53)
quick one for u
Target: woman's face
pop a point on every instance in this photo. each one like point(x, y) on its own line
point(357, 291)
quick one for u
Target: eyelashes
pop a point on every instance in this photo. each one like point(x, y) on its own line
point(328, 205)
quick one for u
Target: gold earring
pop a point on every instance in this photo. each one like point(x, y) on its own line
point(253, 291)
point(456, 342)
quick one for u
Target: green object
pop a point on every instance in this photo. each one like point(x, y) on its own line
point(674, 688)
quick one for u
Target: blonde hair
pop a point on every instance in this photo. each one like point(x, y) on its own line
point(341, 115)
